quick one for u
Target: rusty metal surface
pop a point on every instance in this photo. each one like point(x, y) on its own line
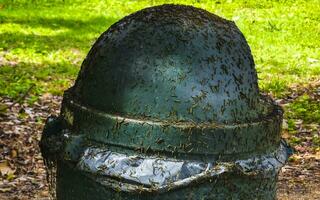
point(166, 106)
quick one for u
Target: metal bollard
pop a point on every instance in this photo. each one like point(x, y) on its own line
point(166, 106)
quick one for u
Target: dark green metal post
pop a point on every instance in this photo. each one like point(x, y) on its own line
point(166, 106)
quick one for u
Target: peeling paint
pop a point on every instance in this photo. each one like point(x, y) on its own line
point(166, 106)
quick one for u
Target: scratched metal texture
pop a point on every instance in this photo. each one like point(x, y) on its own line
point(75, 185)
point(172, 62)
point(167, 83)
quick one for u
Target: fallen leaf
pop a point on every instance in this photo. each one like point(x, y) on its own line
point(10, 176)
point(5, 168)
point(14, 153)
point(285, 134)
point(5, 189)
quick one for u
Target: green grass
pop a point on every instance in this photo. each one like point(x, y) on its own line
point(307, 109)
point(43, 43)
point(304, 107)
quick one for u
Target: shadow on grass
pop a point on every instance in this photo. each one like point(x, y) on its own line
point(80, 33)
point(46, 77)
point(57, 22)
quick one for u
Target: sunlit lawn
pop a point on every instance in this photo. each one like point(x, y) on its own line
point(43, 43)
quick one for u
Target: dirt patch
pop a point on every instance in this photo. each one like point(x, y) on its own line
point(24, 177)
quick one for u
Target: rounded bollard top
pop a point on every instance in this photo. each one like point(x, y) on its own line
point(167, 98)
point(173, 63)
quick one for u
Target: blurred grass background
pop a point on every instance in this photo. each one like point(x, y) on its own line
point(42, 44)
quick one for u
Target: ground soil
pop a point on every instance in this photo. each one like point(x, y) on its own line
point(23, 174)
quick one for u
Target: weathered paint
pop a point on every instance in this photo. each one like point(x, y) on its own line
point(171, 87)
